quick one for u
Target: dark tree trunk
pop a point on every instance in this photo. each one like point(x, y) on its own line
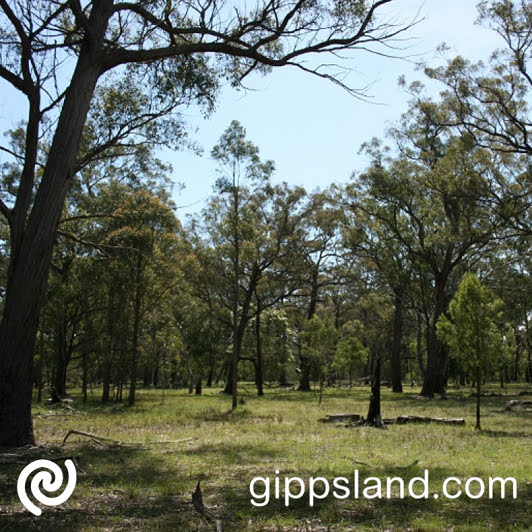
point(146, 376)
point(198, 386)
point(304, 375)
point(40, 366)
point(239, 329)
point(136, 331)
point(477, 426)
point(374, 411)
point(419, 343)
point(228, 388)
point(109, 351)
point(61, 356)
point(283, 381)
point(85, 374)
point(304, 364)
point(259, 365)
point(397, 385)
point(435, 373)
point(32, 242)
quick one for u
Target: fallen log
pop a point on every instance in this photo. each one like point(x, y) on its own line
point(517, 404)
point(360, 421)
point(424, 419)
point(334, 418)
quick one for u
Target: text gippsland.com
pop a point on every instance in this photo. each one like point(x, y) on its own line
point(263, 489)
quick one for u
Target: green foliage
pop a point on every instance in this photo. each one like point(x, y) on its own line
point(318, 343)
point(474, 329)
point(350, 351)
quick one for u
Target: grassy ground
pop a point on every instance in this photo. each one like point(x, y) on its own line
point(148, 486)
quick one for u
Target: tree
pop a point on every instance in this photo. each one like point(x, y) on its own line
point(489, 103)
point(56, 54)
point(473, 329)
point(371, 240)
point(250, 225)
point(350, 351)
point(318, 346)
point(431, 198)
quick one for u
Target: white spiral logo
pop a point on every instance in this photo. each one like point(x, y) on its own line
point(50, 481)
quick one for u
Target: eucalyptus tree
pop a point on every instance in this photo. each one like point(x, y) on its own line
point(431, 199)
point(489, 103)
point(250, 226)
point(371, 240)
point(57, 54)
point(143, 238)
point(317, 260)
point(238, 162)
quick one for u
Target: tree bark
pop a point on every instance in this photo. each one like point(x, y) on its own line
point(397, 385)
point(374, 410)
point(435, 373)
point(136, 331)
point(33, 240)
point(259, 378)
point(198, 386)
point(477, 426)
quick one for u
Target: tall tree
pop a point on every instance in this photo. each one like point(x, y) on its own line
point(431, 199)
point(55, 54)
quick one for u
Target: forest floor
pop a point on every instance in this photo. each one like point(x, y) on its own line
point(171, 440)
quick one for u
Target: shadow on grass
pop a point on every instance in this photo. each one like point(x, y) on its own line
point(134, 489)
point(391, 513)
point(505, 434)
point(126, 488)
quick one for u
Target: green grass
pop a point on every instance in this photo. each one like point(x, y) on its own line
point(148, 486)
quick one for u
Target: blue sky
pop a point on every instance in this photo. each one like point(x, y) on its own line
point(313, 129)
point(310, 127)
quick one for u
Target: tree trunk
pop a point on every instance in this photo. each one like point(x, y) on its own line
point(304, 375)
point(136, 329)
point(419, 343)
point(109, 351)
point(259, 365)
point(198, 386)
point(33, 238)
point(396, 344)
point(61, 358)
point(228, 388)
point(40, 366)
point(374, 411)
point(477, 426)
point(435, 378)
point(283, 381)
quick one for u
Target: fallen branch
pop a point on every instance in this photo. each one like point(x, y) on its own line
point(100, 439)
point(518, 404)
point(94, 438)
point(357, 420)
point(422, 419)
point(197, 502)
point(333, 418)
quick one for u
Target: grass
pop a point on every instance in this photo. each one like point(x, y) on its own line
point(148, 486)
